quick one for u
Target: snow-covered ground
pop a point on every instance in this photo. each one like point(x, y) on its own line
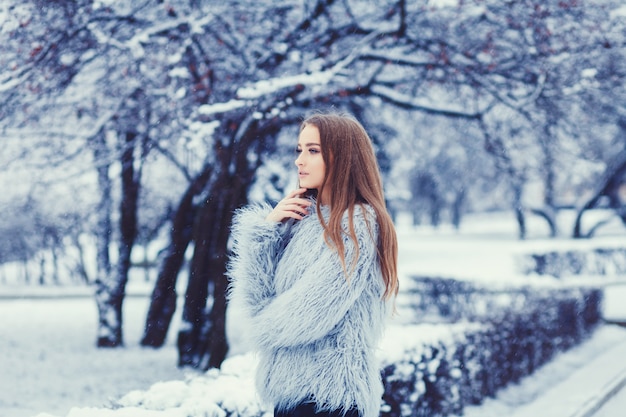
point(49, 361)
point(614, 408)
point(50, 364)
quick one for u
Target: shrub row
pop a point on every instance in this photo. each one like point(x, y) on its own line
point(441, 380)
point(434, 379)
point(450, 300)
point(599, 261)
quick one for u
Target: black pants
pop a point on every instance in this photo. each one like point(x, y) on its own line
point(308, 410)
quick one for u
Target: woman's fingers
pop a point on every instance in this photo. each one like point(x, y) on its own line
point(294, 201)
point(292, 206)
point(296, 208)
point(296, 193)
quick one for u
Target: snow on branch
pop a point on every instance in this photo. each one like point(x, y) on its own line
point(513, 102)
point(619, 12)
point(410, 102)
point(134, 44)
point(211, 109)
point(273, 85)
point(264, 87)
point(9, 81)
point(72, 130)
point(397, 57)
point(104, 118)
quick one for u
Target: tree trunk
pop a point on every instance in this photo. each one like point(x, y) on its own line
point(519, 210)
point(549, 210)
point(104, 229)
point(609, 186)
point(217, 345)
point(457, 208)
point(163, 303)
point(81, 266)
point(202, 338)
point(110, 294)
point(549, 216)
point(189, 350)
point(495, 147)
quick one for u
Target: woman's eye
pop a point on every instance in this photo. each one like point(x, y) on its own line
point(298, 150)
point(314, 151)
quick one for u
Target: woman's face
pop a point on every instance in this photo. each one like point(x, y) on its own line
point(311, 167)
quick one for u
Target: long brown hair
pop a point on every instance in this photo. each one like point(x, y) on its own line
point(353, 177)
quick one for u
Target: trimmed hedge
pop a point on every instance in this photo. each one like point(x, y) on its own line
point(516, 339)
point(522, 330)
point(437, 380)
point(559, 264)
point(450, 300)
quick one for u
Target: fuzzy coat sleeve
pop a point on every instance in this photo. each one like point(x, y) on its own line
point(322, 293)
point(256, 246)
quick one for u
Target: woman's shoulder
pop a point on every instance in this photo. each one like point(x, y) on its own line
point(363, 220)
point(364, 210)
point(363, 217)
point(362, 213)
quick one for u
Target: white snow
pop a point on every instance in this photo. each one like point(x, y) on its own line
point(51, 367)
point(443, 3)
point(50, 362)
point(619, 12)
point(315, 77)
point(586, 387)
point(263, 87)
point(210, 109)
point(589, 72)
point(569, 371)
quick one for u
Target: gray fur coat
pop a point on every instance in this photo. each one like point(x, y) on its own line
point(316, 331)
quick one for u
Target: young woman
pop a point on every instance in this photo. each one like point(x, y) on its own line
point(317, 273)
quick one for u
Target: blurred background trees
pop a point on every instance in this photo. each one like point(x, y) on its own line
point(126, 124)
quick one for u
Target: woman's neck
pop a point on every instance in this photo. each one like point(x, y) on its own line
point(323, 199)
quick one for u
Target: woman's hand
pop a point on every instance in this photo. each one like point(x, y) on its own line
point(292, 206)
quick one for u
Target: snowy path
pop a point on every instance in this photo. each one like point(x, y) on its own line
point(584, 392)
point(49, 361)
point(615, 407)
point(552, 389)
